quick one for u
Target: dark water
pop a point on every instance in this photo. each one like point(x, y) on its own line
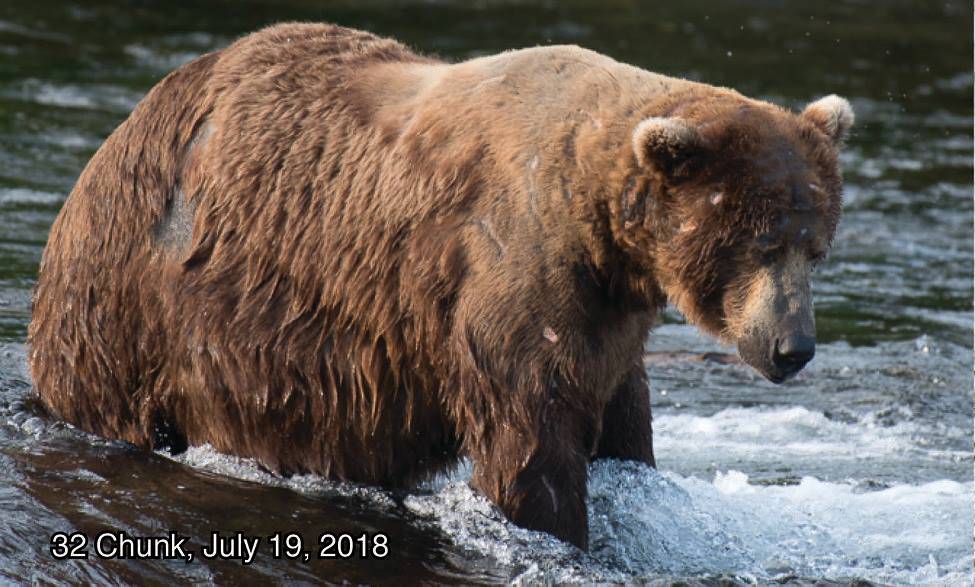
point(861, 467)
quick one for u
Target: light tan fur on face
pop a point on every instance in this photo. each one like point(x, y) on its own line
point(777, 294)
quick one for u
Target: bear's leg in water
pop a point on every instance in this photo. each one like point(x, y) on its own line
point(626, 433)
point(538, 477)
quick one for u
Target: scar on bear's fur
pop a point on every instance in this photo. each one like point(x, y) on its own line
point(488, 229)
point(336, 256)
point(175, 229)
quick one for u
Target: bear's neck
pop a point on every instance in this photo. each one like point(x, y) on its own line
point(619, 220)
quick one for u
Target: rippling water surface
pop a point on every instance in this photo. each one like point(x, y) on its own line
point(859, 468)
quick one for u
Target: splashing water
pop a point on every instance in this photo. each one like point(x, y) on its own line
point(646, 523)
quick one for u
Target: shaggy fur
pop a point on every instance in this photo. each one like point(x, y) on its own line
point(321, 250)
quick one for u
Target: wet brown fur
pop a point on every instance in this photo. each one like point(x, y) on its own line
point(395, 262)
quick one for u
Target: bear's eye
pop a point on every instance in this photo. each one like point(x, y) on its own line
point(765, 242)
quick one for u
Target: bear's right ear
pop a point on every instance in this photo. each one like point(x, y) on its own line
point(665, 143)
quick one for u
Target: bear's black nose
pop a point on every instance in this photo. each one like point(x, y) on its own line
point(793, 352)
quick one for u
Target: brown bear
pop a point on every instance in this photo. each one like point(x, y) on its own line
point(321, 250)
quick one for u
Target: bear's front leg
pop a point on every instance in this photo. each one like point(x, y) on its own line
point(626, 432)
point(537, 474)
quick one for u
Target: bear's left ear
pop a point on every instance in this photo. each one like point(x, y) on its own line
point(832, 115)
point(665, 143)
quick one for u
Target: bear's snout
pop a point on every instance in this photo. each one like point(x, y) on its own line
point(777, 324)
point(792, 353)
point(778, 358)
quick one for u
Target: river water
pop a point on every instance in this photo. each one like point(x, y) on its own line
point(861, 467)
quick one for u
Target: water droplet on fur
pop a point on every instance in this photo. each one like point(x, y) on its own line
point(550, 335)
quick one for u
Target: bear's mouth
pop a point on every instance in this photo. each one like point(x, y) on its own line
point(774, 375)
point(775, 378)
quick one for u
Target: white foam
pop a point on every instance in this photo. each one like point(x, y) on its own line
point(645, 523)
point(794, 432)
point(890, 536)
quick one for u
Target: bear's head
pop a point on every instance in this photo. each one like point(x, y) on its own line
point(746, 199)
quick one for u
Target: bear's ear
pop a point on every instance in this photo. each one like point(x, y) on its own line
point(665, 143)
point(832, 115)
